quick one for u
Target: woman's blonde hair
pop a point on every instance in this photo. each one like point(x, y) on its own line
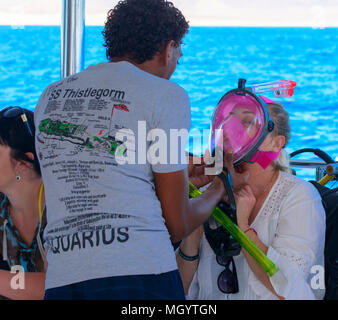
point(282, 128)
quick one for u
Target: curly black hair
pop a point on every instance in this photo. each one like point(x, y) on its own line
point(138, 29)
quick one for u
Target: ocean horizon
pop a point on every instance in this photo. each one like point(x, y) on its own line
point(214, 58)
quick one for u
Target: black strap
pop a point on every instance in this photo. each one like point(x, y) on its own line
point(227, 181)
point(188, 258)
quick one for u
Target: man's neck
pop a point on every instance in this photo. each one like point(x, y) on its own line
point(150, 66)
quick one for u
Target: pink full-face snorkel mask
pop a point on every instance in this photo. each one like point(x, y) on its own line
point(241, 122)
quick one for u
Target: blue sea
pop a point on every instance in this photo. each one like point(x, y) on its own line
point(214, 58)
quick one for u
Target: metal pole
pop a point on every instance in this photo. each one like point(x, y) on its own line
point(72, 37)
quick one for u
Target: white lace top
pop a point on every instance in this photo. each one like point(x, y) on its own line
point(291, 223)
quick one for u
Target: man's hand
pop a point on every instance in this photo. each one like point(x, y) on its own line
point(196, 172)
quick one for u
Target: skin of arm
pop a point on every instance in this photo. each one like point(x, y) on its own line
point(190, 247)
point(184, 215)
point(34, 285)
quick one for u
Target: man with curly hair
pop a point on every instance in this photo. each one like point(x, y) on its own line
point(110, 225)
point(142, 31)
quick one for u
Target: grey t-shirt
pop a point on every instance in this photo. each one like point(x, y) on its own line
point(104, 218)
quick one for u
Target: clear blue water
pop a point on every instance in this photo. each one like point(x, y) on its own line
point(214, 59)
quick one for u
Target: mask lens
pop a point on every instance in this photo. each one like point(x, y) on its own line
point(237, 123)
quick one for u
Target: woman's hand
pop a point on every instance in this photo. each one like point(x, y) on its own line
point(245, 202)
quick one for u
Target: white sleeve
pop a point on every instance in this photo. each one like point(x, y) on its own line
point(193, 289)
point(299, 242)
point(172, 119)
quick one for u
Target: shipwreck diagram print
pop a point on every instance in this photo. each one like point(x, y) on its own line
point(77, 146)
point(51, 131)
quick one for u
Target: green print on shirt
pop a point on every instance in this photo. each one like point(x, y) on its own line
point(73, 133)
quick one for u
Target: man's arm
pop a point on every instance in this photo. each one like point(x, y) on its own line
point(184, 215)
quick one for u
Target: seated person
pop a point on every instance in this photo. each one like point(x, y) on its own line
point(22, 215)
point(281, 213)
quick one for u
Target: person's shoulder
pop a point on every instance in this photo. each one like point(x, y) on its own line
point(174, 87)
point(175, 94)
point(165, 86)
point(301, 198)
point(51, 89)
point(299, 186)
point(162, 84)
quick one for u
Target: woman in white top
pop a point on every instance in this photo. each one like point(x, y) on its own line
point(284, 217)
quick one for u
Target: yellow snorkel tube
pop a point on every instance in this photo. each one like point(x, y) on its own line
point(331, 172)
point(331, 168)
point(239, 235)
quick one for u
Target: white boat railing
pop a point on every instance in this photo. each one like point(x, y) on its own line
point(72, 37)
point(319, 166)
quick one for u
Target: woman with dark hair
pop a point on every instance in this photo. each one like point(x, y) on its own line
point(22, 215)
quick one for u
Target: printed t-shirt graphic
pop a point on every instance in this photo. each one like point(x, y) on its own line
point(103, 212)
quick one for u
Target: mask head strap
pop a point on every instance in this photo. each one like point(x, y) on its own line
point(264, 158)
